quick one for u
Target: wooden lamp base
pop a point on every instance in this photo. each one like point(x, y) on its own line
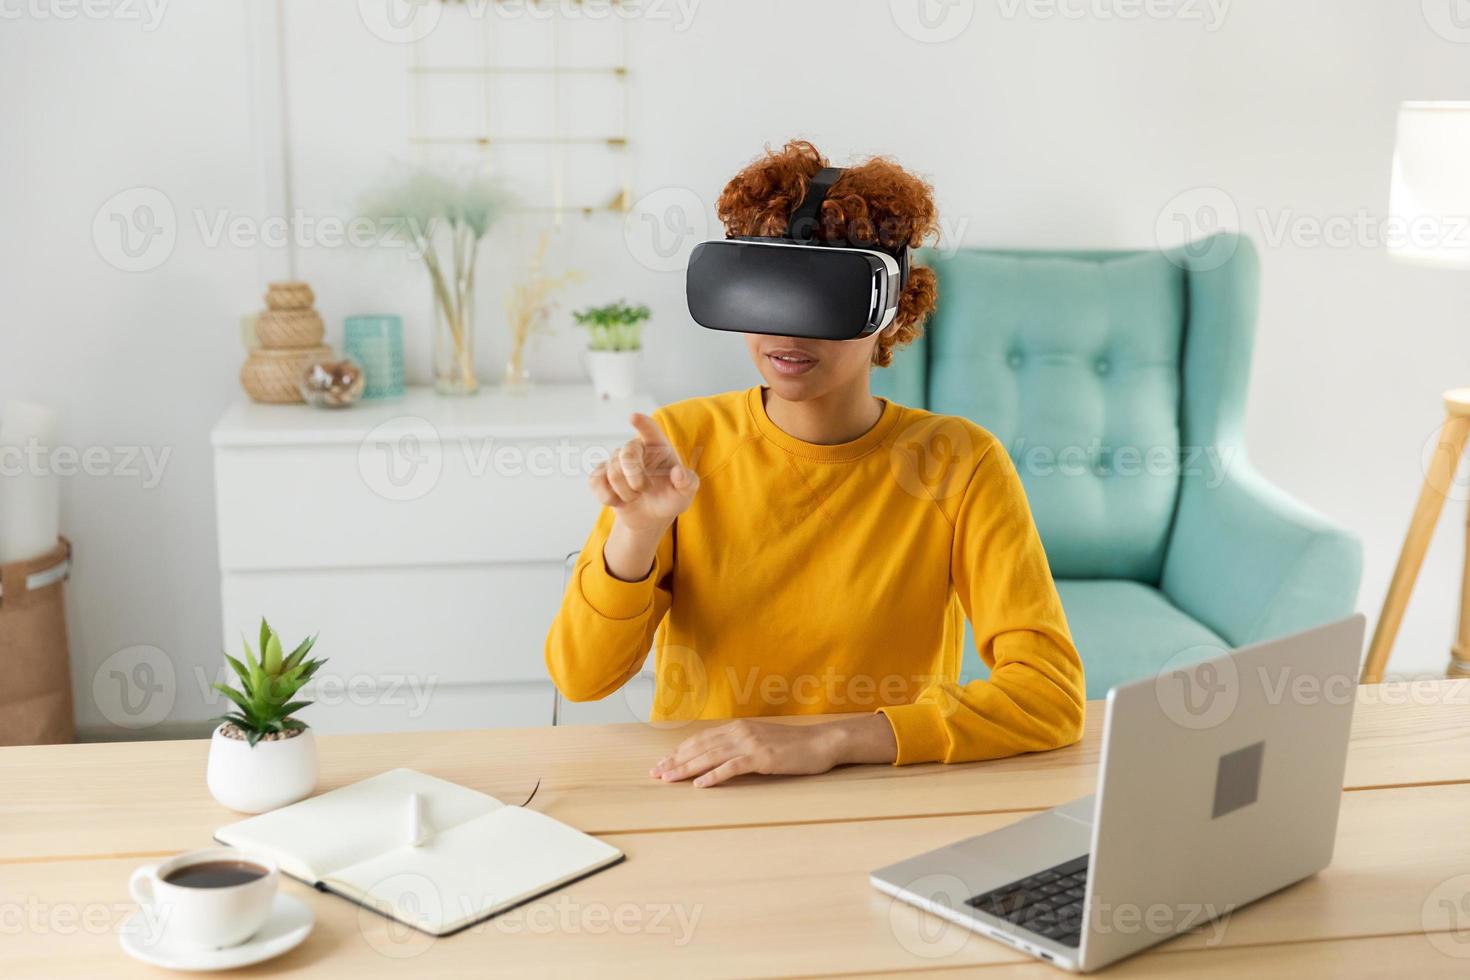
point(1439, 480)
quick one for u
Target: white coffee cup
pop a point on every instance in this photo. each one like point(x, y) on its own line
point(196, 917)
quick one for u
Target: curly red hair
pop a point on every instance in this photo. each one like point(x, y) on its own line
point(876, 202)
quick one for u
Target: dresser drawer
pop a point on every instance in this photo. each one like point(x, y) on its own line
point(440, 624)
point(340, 506)
point(456, 707)
point(451, 707)
point(424, 540)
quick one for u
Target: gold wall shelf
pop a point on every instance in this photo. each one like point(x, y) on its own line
point(477, 95)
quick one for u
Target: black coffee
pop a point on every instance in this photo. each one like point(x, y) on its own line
point(215, 874)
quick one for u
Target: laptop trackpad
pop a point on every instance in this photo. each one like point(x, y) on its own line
point(1080, 809)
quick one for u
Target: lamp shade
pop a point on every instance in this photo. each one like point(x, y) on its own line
point(1430, 193)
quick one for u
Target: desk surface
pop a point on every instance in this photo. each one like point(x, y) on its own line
point(765, 877)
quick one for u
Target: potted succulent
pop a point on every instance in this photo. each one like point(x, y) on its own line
point(614, 337)
point(261, 757)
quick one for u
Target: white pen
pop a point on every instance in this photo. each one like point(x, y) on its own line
point(418, 826)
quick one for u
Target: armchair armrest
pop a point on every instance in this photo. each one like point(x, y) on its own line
point(1252, 563)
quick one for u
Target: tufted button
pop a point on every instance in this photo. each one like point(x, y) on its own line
point(1102, 365)
point(1014, 359)
point(1102, 463)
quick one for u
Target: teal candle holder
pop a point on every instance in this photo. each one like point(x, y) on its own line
point(376, 343)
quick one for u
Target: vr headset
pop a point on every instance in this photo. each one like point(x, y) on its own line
point(795, 285)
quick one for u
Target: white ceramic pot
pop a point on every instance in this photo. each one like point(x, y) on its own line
point(270, 775)
point(614, 372)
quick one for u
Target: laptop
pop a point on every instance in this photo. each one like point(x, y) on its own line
point(1220, 783)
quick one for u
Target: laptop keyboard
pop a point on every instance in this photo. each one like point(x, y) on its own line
point(1048, 903)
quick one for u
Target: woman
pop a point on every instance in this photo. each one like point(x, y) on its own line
point(805, 547)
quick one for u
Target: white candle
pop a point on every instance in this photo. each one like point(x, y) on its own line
point(30, 500)
point(418, 823)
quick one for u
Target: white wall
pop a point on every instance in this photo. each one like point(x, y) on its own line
point(91, 108)
point(1037, 129)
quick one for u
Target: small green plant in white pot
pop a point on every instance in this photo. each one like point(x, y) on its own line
point(614, 338)
point(261, 756)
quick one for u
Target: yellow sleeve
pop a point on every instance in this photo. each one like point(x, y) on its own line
point(1035, 698)
point(604, 629)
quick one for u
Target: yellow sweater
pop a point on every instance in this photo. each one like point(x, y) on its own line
point(806, 579)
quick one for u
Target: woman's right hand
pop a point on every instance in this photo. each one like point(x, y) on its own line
point(647, 485)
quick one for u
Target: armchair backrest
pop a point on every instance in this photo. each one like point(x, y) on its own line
point(1106, 375)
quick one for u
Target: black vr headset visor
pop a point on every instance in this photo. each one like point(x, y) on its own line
point(796, 286)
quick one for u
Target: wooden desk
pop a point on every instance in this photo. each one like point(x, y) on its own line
point(766, 877)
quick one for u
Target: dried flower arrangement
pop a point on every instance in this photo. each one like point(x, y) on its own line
point(528, 307)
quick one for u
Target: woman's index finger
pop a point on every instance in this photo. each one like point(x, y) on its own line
point(649, 431)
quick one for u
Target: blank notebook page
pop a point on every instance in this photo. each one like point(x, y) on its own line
point(329, 832)
point(468, 871)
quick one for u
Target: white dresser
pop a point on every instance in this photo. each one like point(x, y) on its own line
point(424, 539)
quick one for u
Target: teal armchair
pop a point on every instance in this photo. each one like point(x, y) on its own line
point(1117, 381)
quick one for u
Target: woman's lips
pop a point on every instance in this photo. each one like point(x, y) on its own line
point(791, 363)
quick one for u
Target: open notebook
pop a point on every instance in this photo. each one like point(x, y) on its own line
point(481, 856)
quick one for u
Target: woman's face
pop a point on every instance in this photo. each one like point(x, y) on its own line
point(798, 369)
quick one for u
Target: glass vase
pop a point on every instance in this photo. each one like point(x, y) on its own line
point(517, 378)
point(454, 337)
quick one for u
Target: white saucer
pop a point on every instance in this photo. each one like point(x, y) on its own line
point(289, 923)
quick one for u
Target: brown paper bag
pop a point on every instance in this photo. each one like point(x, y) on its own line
point(35, 663)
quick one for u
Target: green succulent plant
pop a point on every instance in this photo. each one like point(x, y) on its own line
point(267, 686)
point(616, 326)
